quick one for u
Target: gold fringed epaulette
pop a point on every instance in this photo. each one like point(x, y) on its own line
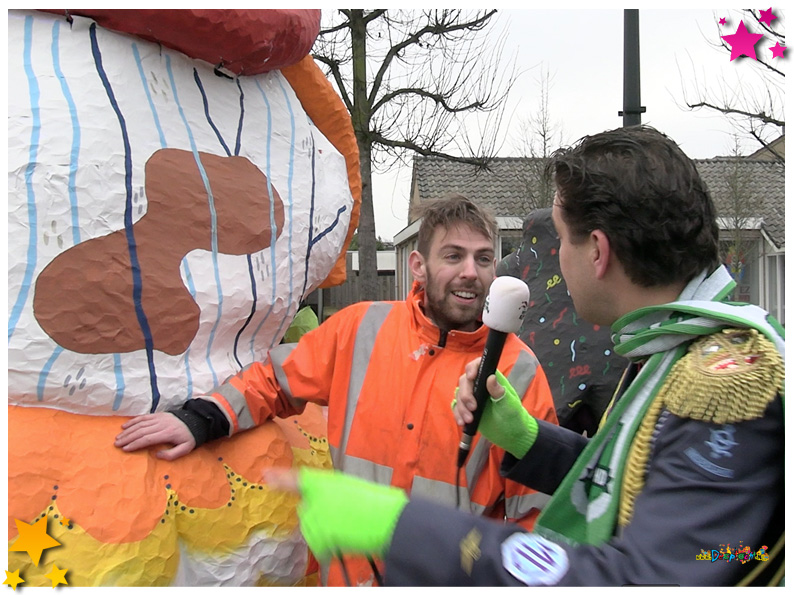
point(725, 377)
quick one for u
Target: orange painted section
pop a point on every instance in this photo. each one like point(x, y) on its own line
point(325, 108)
point(119, 497)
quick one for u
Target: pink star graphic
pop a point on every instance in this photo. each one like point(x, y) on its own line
point(722, 21)
point(743, 42)
point(767, 17)
point(777, 50)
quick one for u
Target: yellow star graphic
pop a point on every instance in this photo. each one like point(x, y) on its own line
point(57, 575)
point(33, 539)
point(12, 579)
point(64, 521)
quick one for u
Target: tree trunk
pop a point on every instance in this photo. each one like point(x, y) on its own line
point(367, 247)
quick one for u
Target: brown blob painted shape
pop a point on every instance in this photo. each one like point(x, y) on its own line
point(84, 298)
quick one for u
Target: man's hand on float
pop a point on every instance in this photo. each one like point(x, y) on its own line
point(153, 429)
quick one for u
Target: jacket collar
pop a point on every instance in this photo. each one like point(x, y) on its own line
point(430, 333)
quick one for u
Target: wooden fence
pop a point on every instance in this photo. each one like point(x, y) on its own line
point(332, 299)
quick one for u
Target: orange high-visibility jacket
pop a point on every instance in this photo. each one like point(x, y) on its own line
point(388, 376)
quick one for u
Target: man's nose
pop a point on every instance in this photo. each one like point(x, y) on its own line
point(468, 268)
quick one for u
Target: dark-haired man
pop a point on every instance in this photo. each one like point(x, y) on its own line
point(689, 457)
point(385, 370)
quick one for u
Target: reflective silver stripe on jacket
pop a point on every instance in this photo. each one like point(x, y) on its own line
point(443, 492)
point(236, 399)
point(521, 376)
point(517, 507)
point(366, 334)
point(237, 402)
point(365, 469)
point(278, 356)
point(478, 459)
point(523, 372)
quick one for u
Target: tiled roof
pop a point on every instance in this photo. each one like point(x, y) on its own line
point(763, 183)
point(503, 186)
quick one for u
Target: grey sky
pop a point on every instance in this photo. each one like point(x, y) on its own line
point(583, 52)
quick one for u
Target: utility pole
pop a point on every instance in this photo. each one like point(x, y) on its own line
point(631, 68)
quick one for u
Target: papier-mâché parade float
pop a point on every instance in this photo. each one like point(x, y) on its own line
point(178, 181)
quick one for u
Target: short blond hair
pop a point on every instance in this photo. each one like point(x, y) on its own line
point(449, 211)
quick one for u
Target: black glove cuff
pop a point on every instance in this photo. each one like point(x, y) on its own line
point(199, 426)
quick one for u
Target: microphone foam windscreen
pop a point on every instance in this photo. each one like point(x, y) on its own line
point(506, 304)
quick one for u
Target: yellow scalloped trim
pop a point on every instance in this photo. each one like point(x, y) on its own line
point(152, 561)
point(252, 508)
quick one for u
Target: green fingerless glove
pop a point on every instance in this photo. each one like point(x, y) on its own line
point(342, 514)
point(506, 423)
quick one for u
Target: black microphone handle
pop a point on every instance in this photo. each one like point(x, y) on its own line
point(490, 359)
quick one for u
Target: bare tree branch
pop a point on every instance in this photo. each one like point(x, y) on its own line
point(437, 97)
point(442, 25)
point(480, 162)
point(756, 107)
point(539, 136)
point(333, 68)
point(375, 14)
point(438, 87)
point(777, 154)
point(738, 245)
point(729, 110)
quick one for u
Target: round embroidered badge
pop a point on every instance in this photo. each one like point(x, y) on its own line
point(534, 560)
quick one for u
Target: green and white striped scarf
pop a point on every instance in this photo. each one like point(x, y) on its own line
point(583, 510)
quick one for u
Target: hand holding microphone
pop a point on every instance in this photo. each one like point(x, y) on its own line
point(503, 313)
point(504, 421)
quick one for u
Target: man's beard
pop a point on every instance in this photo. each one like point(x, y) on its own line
point(446, 313)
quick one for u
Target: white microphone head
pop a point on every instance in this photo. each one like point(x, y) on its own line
point(506, 304)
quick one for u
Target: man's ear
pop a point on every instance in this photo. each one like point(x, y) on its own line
point(416, 262)
point(601, 253)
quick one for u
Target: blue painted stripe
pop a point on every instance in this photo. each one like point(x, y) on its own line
point(45, 371)
point(74, 154)
point(145, 85)
point(30, 265)
point(192, 288)
point(206, 113)
point(118, 371)
point(253, 309)
point(242, 115)
point(251, 274)
point(290, 203)
point(311, 222)
point(273, 228)
point(73, 160)
point(328, 230)
point(117, 366)
point(213, 217)
point(137, 281)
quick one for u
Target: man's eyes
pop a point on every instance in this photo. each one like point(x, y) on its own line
point(485, 259)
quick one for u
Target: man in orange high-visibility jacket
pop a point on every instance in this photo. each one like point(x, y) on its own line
point(386, 370)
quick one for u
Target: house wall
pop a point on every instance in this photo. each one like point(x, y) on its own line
point(760, 275)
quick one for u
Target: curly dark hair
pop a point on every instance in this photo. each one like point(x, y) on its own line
point(638, 187)
point(452, 209)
